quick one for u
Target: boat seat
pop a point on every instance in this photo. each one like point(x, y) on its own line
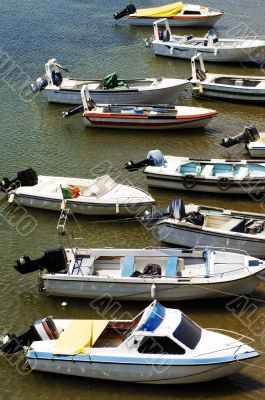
point(226, 174)
point(171, 266)
point(207, 170)
point(84, 266)
point(231, 224)
point(242, 173)
point(127, 266)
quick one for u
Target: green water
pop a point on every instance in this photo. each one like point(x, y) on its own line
point(83, 36)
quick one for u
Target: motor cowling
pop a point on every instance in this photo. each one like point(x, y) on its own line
point(154, 158)
point(250, 134)
point(129, 9)
point(53, 261)
point(25, 177)
point(176, 210)
point(39, 85)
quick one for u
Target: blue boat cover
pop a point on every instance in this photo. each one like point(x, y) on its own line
point(155, 318)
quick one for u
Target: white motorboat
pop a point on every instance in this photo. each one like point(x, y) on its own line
point(254, 141)
point(159, 346)
point(178, 14)
point(140, 117)
point(245, 88)
point(99, 196)
point(142, 274)
point(198, 225)
point(213, 49)
point(110, 90)
point(202, 175)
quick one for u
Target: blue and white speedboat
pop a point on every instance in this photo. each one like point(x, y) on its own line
point(159, 346)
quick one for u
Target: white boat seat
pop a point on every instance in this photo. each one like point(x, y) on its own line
point(231, 224)
point(207, 170)
point(127, 266)
point(242, 173)
point(84, 266)
point(171, 266)
point(227, 174)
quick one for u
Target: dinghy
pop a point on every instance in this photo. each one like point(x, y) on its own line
point(198, 225)
point(212, 48)
point(254, 141)
point(140, 117)
point(178, 14)
point(226, 87)
point(159, 346)
point(99, 196)
point(202, 175)
point(144, 274)
point(110, 90)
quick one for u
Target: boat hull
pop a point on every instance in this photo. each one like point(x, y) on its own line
point(254, 55)
point(124, 371)
point(155, 124)
point(112, 209)
point(165, 95)
point(180, 289)
point(206, 185)
point(193, 236)
point(180, 21)
point(231, 93)
point(256, 151)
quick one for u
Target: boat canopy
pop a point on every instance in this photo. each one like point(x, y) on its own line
point(79, 336)
point(164, 11)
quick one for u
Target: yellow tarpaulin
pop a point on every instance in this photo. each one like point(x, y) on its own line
point(164, 11)
point(79, 336)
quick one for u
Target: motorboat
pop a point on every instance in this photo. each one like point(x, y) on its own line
point(178, 14)
point(97, 196)
point(199, 225)
point(158, 346)
point(140, 117)
point(213, 49)
point(144, 274)
point(110, 90)
point(243, 88)
point(202, 175)
point(253, 139)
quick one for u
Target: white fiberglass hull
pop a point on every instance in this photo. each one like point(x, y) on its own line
point(125, 371)
point(256, 151)
point(211, 54)
point(235, 93)
point(180, 21)
point(180, 289)
point(206, 185)
point(155, 95)
point(89, 208)
point(191, 236)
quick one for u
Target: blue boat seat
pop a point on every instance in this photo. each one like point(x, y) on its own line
point(171, 266)
point(127, 266)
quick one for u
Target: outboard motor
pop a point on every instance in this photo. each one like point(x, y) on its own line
point(154, 158)
point(53, 260)
point(41, 330)
point(39, 85)
point(25, 177)
point(130, 9)
point(176, 210)
point(250, 134)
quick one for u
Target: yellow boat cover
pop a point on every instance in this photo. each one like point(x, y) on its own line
point(79, 336)
point(164, 11)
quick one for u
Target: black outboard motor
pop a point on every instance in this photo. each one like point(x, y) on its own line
point(54, 260)
point(154, 158)
point(41, 330)
point(25, 177)
point(250, 134)
point(130, 9)
point(39, 85)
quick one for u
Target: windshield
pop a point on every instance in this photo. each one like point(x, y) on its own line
point(155, 318)
point(188, 332)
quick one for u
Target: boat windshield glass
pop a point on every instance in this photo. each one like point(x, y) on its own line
point(188, 332)
point(155, 318)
